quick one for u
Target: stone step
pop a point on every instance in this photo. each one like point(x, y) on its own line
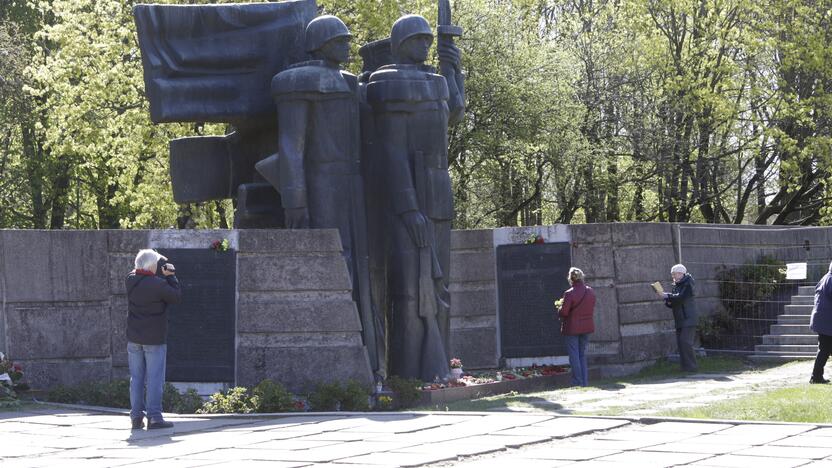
point(790, 340)
point(803, 300)
point(806, 290)
point(780, 357)
point(792, 329)
point(794, 319)
point(798, 308)
point(786, 349)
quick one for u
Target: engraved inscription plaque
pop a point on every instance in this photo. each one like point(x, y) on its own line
point(201, 328)
point(529, 279)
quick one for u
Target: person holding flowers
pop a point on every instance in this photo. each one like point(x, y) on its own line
point(575, 311)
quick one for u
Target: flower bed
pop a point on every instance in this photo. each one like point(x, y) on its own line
point(482, 384)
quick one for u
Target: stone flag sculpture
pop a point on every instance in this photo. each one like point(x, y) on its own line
point(215, 63)
point(316, 147)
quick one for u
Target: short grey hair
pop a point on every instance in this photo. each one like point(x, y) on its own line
point(575, 274)
point(147, 259)
point(679, 268)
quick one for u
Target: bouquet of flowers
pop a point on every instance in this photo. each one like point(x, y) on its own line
point(456, 363)
point(220, 245)
point(559, 304)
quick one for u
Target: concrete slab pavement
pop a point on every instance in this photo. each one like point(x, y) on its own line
point(61, 437)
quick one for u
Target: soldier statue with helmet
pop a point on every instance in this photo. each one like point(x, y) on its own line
point(412, 107)
point(317, 167)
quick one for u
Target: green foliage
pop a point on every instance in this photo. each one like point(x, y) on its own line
point(353, 396)
point(713, 328)
point(326, 397)
point(233, 400)
point(181, 403)
point(668, 110)
point(408, 391)
point(744, 288)
point(116, 394)
point(796, 404)
point(112, 394)
point(272, 397)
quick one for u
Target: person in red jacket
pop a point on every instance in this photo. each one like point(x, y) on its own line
point(576, 324)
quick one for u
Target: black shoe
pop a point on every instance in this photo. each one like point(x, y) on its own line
point(818, 381)
point(138, 423)
point(160, 425)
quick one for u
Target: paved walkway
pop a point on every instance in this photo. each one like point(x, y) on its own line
point(56, 438)
point(659, 396)
point(50, 437)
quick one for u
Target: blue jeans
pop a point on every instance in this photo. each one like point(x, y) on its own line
point(576, 347)
point(147, 371)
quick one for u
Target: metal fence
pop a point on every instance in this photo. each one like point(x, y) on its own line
point(744, 288)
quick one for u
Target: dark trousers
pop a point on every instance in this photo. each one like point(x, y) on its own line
point(684, 341)
point(824, 349)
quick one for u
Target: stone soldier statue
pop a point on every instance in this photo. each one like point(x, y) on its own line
point(317, 167)
point(412, 105)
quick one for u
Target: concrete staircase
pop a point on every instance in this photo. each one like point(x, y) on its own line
point(790, 337)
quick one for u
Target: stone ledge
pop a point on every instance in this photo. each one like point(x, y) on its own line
point(642, 234)
point(46, 331)
point(300, 369)
point(274, 272)
point(45, 374)
point(472, 239)
point(280, 315)
point(45, 266)
point(287, 240)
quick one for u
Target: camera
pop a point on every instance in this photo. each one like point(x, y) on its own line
point(162, 265)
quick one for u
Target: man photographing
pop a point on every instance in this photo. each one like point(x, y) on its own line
point(148, 296)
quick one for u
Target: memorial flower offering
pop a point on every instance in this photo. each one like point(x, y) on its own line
point(220, 245)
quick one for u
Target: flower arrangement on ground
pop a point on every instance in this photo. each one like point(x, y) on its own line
point(10, 376)
point(456, 363)
point(487, 377)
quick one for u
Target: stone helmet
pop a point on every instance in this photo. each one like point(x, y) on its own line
point(406, 27)
point(324, 29)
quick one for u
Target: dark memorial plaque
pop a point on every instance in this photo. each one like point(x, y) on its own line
point(529, 279)
point(201, 328)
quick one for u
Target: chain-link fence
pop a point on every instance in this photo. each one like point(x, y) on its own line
point(742, 288)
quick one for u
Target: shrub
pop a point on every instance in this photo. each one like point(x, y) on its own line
point(181, 403)
point(407, 391)
point(745, 291)
point(113, 394)
point(63, 394)
point(326, 397)
point(713, 329)
point(116, 394)
point(353, 396)
point(742, 288)
point(234, 400)
point(272, 397)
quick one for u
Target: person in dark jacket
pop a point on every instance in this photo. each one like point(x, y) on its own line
point(681, 300)
point(148, 297)
point(821, 323)
point(577, 323)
